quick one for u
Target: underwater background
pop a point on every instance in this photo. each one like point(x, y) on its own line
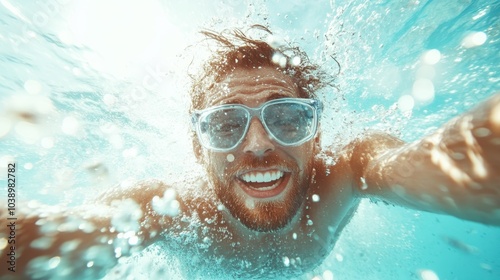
point(93, 95)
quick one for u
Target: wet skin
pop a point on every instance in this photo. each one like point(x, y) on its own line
point(260, 220)
point(454, 171)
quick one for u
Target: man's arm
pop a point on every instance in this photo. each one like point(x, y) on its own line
point(454, 171)
point(84, 241)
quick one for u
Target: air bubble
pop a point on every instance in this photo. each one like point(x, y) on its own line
point(130, 153)
point(250, 203)
point(296, 61)
point(282, 62)
point(327, 275)
point(3, 243)
point(127, 216)
point(230, 157)
point(286, 261)
point(276, 58)
point(364, 186)
point(315, 198)
point(134, 240)
point(70, 125)
point(428, 275)
point(474, 39)
point(47, 142)
point(481, 132)
point(406, 103)
point(54, 262)
point(431, 57)
point(42, 243)
point(168, 205)
point(32, 87)
point(423, 90)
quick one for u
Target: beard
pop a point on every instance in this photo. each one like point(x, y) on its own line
point(262, 216)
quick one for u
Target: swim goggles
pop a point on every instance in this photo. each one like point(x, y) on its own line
point(288, 121)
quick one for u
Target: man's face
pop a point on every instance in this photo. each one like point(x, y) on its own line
point(260, 182)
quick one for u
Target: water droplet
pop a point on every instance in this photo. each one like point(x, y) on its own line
point(32, 86)
point(127, 216)
point(168, 205)
point(406, 103)
point(47, 142)
point(286, 261)
point(133, 240)
point(70, 125)
point(294, 236)
point(69, 246)
point(54, 262)
point(431, 57)
point(481, 132)
point(327, 275)
point(249, 203)
point(296, 61)
point(474, 39)
point(42, 243)
point(423, 90)
point(428, 275)
point(3, 243)
point(315, 198)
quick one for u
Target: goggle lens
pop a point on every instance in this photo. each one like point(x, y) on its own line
point(289, 123)
point(223, 128)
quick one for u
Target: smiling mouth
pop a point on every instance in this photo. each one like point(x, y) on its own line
point(264, 184)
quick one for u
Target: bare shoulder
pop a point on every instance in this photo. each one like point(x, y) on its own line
point(141, 192)
point(363, 151)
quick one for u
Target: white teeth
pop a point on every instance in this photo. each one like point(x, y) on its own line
point(261, 177)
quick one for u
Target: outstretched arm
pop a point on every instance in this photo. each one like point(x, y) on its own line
point(454, 171)
point(85, 241)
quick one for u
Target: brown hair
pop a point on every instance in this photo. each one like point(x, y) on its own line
point(237, 50)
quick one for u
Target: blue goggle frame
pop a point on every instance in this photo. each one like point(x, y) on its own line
point(288, 121)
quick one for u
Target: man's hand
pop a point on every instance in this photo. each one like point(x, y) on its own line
point(454, 171)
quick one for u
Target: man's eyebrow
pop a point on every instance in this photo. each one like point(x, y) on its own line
point(232, 101)
point(277, 95)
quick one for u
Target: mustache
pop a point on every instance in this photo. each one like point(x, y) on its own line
point(249, 161)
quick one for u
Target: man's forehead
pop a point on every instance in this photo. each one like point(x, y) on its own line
point(266, 82)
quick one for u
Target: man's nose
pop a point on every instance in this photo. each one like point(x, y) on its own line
point(257, 141)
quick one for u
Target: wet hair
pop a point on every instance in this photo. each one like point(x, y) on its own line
point(236, 50)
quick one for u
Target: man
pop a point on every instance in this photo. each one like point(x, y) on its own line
point(271, 205)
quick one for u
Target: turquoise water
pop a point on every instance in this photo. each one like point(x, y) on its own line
point(93, 95)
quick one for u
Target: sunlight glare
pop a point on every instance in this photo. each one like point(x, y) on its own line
point(123, 31)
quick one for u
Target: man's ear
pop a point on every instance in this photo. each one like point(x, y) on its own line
point(317, 142)
point(197, 150)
